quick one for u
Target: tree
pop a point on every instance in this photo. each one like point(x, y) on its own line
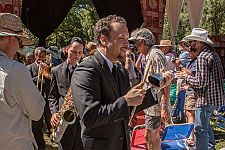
point(82, 17)
point(79, 22)
point(214, 17)
point(213, 20)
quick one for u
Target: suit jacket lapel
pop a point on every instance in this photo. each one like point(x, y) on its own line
point(107, 73)
point(35, 69)
point(64, 74)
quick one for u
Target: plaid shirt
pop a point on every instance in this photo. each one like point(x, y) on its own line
point(208, 82)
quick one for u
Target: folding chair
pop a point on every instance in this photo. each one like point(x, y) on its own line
point(138, 119)
point(138, 141)
point(175, 136)
point(220, 122)
point(219, 118)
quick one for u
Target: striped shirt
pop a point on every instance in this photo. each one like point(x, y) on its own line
point(208, 81)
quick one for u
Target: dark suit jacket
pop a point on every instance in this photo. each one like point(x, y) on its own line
point(33, 68)
point(60, 84)
point(103, 111)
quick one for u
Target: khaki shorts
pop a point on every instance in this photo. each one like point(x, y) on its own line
point(190, 102)
point(152, 122)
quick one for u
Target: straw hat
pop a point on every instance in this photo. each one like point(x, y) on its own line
point(11, 25)
point(165, 43)
point(199, 34)
point(183, 41)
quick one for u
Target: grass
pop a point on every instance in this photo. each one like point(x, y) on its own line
point(220, 143)
point(49, 144)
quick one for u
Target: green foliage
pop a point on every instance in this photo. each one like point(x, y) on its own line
point(82, 17)
point(214, 17)
point(213, 20)
point(78, 22)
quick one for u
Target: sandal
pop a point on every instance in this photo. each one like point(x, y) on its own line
point(190, 142)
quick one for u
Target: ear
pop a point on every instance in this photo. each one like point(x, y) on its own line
point(67, 48)
point(103, 39)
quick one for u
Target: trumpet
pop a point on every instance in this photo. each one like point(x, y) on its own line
point(67, 115)
point(46, 71)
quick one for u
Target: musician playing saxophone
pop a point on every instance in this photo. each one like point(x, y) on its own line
point(60, 83)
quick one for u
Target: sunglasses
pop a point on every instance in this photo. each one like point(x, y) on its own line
point(20, 42)
point(193, 49)
point(191, 42)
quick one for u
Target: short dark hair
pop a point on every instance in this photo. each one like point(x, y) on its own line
point(103, 26)
point(76, 39)
point(41, 49)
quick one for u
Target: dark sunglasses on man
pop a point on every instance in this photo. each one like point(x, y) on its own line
point(20, 42)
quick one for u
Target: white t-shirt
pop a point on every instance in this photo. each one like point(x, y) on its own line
point(169, 56)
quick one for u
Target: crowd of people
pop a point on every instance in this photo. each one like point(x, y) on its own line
point(109, 81)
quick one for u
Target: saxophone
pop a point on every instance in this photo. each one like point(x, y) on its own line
point(67, 115)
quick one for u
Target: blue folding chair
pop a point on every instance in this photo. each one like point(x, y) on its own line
point(175, 136)
point(219, 117)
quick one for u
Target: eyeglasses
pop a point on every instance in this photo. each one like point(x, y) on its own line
point(191, 42)
point(20, 42)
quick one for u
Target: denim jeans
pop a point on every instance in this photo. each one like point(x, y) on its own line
point(203, 132)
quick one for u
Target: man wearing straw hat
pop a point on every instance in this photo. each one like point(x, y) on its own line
point(20, 100)
point(207, 83)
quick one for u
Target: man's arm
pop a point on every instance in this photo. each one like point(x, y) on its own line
point(26, 93)
point(201, 79)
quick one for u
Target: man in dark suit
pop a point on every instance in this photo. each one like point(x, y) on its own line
point(102, 93)
point(61, 78)
point(37, 126)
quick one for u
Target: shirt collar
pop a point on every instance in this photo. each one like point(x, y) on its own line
point(3, 54)
point(109, 63)
point(69, 65)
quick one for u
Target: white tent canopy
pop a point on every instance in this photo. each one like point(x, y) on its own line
point(173, 9)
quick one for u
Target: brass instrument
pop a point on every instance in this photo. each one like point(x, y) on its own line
point(46, 72)
point(67, 115)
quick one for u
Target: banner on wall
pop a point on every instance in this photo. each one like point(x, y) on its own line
point(153, 13)
point(11, 6)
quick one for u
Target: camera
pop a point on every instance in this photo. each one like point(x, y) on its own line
point(132, 46)
point(173, 59)
point(157, 80)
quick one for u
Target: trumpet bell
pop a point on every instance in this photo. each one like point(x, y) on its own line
point(47, 72)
